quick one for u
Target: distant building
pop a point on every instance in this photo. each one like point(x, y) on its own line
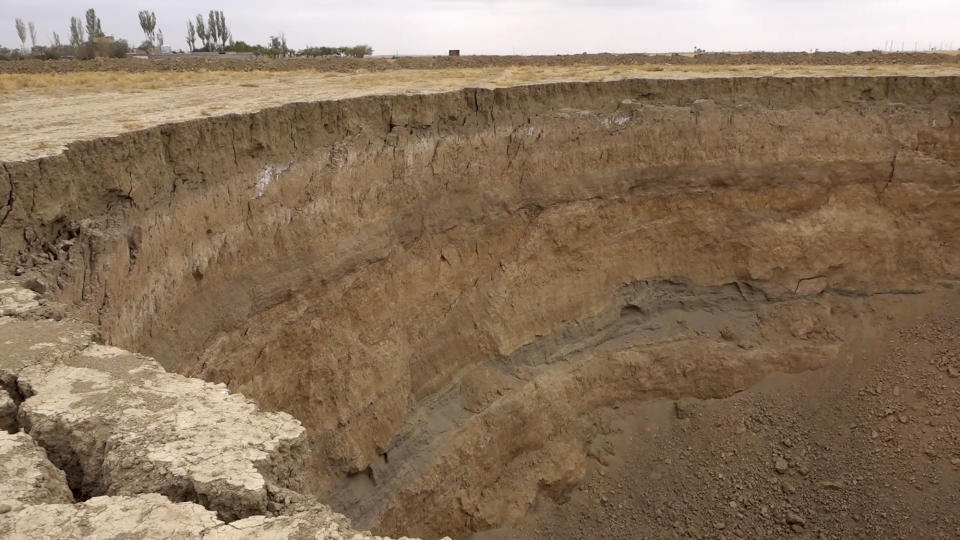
point(454, 52)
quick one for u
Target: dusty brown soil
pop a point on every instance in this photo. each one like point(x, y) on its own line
point(867, 448)
point(41, 113)
point(443, 62)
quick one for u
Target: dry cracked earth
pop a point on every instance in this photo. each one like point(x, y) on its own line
point(519, 299)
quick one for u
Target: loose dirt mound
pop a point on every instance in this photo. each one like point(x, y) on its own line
point(442, 62)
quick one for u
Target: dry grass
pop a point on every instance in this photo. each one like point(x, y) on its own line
point(418, 80)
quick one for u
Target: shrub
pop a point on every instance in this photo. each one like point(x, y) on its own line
point(358, 51)
point(118, 49)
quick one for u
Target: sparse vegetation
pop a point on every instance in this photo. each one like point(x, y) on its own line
point(208, 33)
point(278, 46)
point(357, 51)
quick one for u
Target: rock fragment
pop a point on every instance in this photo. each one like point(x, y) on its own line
point(16, 300)
point(149, 516)
point(27, 476)
point(314, 522)
point(120, 425)
point(794, 518)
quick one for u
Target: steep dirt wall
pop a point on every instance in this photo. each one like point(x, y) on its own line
point(347, 261)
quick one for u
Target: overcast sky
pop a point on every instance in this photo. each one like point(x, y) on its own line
point(527, 26)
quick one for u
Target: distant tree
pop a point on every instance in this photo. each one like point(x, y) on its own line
point(319, 51)
point(191, 36)
point(222, 31)
point(76, 32)
point(244, 47)
point(202, 33)
point(278, 46)
point(93, 25)
point(118, 49)
point(213, 29)
point(21, 33)
point(359, 51)
point(148, 23)
point(160, 38)
point(33, 33)
point(10, 54)
point(56, 41)
point(47, 53)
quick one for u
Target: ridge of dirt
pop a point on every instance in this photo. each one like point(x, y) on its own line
point(446, 62)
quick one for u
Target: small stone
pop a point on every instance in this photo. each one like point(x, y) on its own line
point(36, 285)
point(720, 525)
point(953, 372)
point(797, 528)
point(781, 465)
point(903, 418)
point(683, 409)
point(795, 519)
point(831, 485)
point(4, 508)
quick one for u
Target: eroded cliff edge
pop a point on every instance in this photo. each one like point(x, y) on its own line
point(361, 263)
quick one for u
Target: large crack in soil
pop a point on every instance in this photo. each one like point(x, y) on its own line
point(446, 289)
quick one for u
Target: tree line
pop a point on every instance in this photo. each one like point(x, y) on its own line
point(204, 34)
point(87, 40)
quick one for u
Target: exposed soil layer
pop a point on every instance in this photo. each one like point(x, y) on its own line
point(453, 291)
point(440, 62)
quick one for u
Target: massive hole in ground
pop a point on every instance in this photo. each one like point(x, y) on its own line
point(442, 287)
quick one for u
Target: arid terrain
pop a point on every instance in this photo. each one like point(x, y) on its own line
point(637, 296)
point(40, 113)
